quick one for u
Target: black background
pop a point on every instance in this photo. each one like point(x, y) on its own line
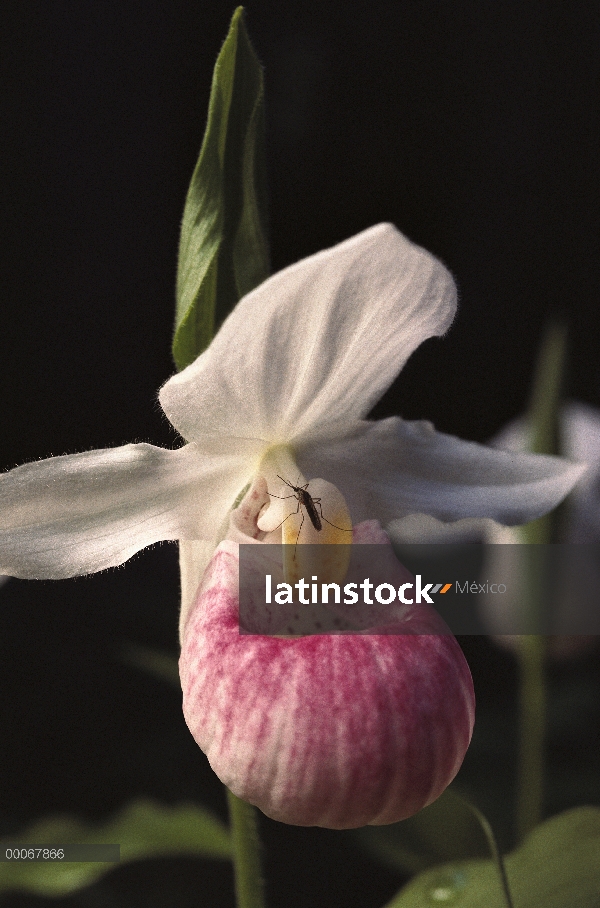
point(471, 125)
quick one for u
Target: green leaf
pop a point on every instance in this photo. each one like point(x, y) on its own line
point(223, 251)
point(446, 830)
point(558, 866)
point(144, 829)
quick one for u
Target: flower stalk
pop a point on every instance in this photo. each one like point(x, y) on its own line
point(544, 412)
point(532, 732)
point(249, 884)
point(495, 852)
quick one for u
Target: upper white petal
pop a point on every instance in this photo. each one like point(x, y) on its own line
point(82, 513)
point(392, 468)
point(313, 348)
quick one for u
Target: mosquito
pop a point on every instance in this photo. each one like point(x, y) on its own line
point(306, 501)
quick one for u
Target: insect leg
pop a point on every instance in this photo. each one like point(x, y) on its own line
point(291, 514)
point(299, 531)
point(343, 529)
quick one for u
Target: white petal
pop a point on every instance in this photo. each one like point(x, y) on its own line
point(314, 347)
point(581, 433)
point(581, 438)
point(85, 512)
point(392, 468)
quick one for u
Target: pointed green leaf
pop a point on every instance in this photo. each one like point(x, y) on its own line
point(223, 251)
point(558, 866)
point(143, 829)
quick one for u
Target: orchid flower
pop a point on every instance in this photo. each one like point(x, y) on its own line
point(579, 433)
point(283, 393)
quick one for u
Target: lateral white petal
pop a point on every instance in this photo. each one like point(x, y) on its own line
point(392, 468)
point(314, 347)
point(82, 513)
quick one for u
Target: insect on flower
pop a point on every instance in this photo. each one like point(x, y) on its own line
point(306, 501)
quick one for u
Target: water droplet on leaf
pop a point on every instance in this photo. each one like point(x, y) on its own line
point(447, 889)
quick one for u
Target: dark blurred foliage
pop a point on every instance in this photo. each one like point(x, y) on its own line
point(473, 126)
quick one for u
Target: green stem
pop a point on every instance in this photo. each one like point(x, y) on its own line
point(498, 859)
point(493, 846)
point(532, 723)
point(249, 887)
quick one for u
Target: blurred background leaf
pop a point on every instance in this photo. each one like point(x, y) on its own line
point(558, 866)
point(152, 661)
point(144, 829)
point(444, 831)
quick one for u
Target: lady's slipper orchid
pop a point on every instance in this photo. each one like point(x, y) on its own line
point(284, 390)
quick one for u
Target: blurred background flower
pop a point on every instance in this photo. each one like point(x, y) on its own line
point(579, 440)
point(574, 594)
